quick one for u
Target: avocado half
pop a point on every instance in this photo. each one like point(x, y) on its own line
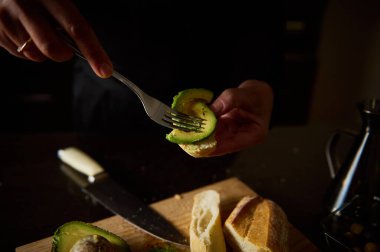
point(71, 232)
point(193, 102)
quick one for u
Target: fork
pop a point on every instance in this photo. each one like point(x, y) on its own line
point(155, 109)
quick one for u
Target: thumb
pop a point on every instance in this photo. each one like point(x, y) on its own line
point(217, 107)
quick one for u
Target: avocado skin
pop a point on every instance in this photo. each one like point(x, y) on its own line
point(67, 234)
point(193, 102)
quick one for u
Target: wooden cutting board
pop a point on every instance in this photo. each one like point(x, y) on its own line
point(178, 211)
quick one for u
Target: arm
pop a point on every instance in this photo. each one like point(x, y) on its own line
point(38, 19)
point(243, 116)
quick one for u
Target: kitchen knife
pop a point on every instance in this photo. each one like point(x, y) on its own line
point(116, 198)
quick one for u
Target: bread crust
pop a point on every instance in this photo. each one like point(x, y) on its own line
point(200, 149)
point(257, 224)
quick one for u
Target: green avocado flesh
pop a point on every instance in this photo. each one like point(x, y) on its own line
point(193, 102)
point(69, 233)
point(183, 101)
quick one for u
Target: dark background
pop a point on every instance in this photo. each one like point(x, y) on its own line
point(330, 60)
point(37, 96)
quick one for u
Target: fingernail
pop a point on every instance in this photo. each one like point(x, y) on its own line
point(105, 70)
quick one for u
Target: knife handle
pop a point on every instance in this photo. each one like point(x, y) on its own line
point(81, 162)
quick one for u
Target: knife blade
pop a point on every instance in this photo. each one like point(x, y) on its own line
point(116, 198)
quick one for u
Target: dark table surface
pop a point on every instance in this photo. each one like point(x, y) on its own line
point(36, 196)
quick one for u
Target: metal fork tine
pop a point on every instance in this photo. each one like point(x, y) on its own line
point(185, 121)
point(182, 125)
point(192, 125)
point(182, 116)
point(175, 125)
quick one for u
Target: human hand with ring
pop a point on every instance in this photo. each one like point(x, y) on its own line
point(28, 30)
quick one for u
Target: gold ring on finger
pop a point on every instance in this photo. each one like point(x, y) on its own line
point(24, 45)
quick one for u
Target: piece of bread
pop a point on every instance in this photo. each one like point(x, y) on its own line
point(206, 232)
point(257, 225)
point(200, 149)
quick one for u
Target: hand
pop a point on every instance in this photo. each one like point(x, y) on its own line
point(38, 20)
point(243, 116)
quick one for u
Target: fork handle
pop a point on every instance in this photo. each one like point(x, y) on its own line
point(130, 84)
point(115, 74)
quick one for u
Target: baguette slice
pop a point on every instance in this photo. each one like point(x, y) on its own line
point(206, 232)
point(257, 225)
point(200, 149)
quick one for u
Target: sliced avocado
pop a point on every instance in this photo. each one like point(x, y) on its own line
point(193, 102)
point(71, 232)
point(183, 101)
